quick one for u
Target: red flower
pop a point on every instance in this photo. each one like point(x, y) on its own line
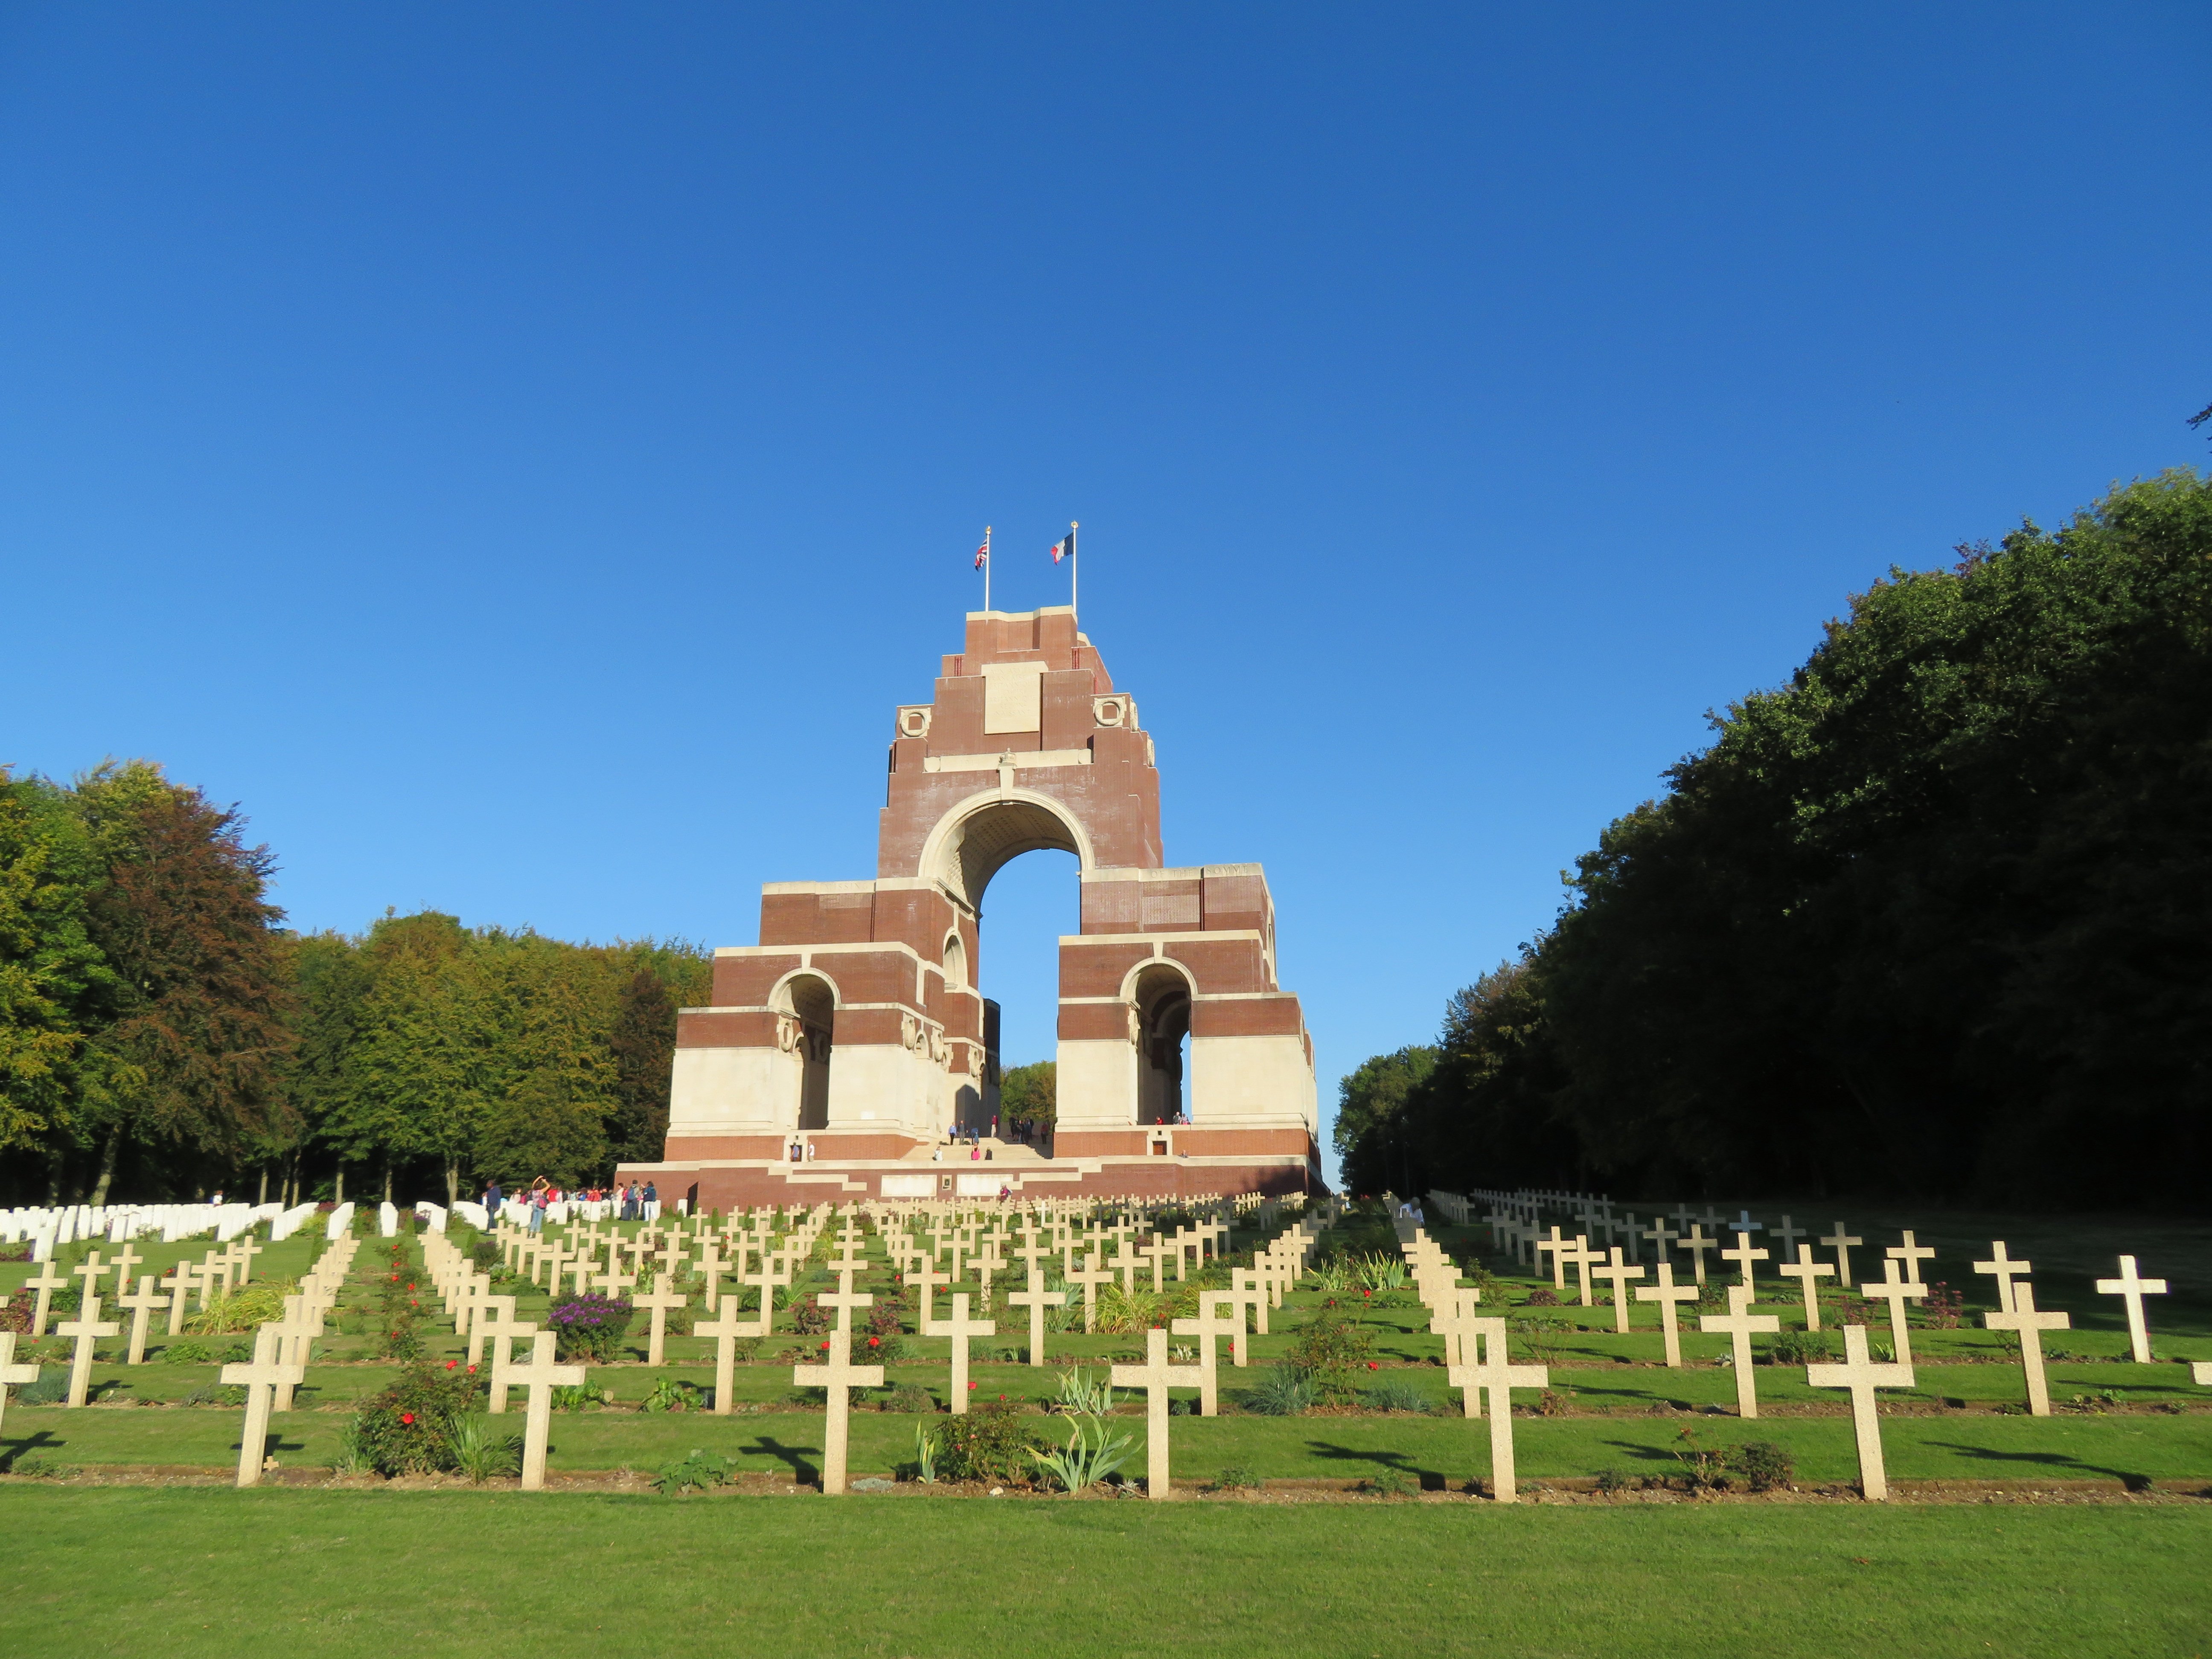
point(1002, 1399)
point(395, 1278)
point(875, 1342)
point(409, 1287)
point(1367, 1293)
point(1372, 1366)
point(825, 1347)
point(450, 1364)
point(971, 1385)
point(472, 1371)
point(407, 1417)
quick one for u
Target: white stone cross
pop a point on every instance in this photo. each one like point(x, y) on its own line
point(1556, 1245)
point(2134, 1289)
point(1840, 1242)
point(541, 1378)
point(2022, 1317)
point(92, 1272)
point(1808, 1272)
point(2004, 1269)
point(1896, 1293)
point(726, 1328)
point(179, 1284)
point(1789, 1234)
point(490, 1311)
point(1739, 1321)
point(927, 1277)
point(503, 1336)
point(1697, 1244)
point(1617, 1273)
point(1911, 1254)
point(836, 1375)
point(1662, 1236)
point(85, 1329)
point(960, 1328)
point(1743, 1256)
point(1744, 1225)
point(1245, 1281)
point(1455, 1324)
point(125, 1259)
point(45, 1284)
point(1036, 1299)
point(1496, 1378)
point(844, 1299)
point(259, 1377)
point(1218, 1316)
point(1582, 1255)
point(11, 1372)
point(661, 1301)
point(141, 1306)
point(1156, 1377)
point(1090, 1275)
point(1670, 1296)
point(1862, 1377)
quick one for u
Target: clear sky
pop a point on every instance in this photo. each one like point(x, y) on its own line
point(522, 454)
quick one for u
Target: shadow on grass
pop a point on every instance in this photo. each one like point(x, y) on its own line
point(797, 1459)
point(1431, 1480)
point(13, 1452)
point(2133, 1480)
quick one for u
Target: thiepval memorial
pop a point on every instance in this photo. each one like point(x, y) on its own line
point(840, 1050)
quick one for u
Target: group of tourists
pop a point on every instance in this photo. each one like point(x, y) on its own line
point(637, 1201)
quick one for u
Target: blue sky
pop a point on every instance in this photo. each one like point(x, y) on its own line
point(523, 455)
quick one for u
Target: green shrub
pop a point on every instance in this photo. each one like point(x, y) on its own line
point(1391, 1483)
point(673, 1394)
point(990, 1443)
point(481, 1455)
point(1798, 1348)
point(1283, 1390)
point(51, 1389)
point(1395, 1396)
point(1763, 1465)
point(1236, 1479)
point(409, 1428)
point(910, 1397)
point(186, 1352)
point(698, 1473)
point(1333, 1352)
point(1610, 1481)
point(589, 1328)
point(248, 1308)
point(216, 1393)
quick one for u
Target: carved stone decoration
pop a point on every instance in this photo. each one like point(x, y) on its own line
point(787, 1032)
point(910, 1031)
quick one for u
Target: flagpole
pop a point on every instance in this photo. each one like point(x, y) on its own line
point(986, 568)
point(1074, 553)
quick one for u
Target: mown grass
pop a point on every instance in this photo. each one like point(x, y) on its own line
point(212, 1572)
point(2173, 1450)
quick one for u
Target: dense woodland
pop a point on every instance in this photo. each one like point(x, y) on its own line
point(1934, 917)
point(161, 1035)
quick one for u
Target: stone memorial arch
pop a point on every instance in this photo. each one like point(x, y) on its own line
point(855, 1031)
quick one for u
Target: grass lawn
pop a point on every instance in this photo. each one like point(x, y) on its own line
point(189, 1572)
point(2172, 1450)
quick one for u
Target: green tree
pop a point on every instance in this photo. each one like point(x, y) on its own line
point(643, 1045)
point(194, 1055)
point(1030, 1094)
point(49, 971)
point(1369, 1129)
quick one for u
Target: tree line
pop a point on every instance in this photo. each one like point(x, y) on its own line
point(162, 1035)
point(1934, 917)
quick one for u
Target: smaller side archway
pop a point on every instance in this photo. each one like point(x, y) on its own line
point(809, 1002)
point(1160, 996)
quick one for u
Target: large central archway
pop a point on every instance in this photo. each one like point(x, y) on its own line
point(974, 840)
